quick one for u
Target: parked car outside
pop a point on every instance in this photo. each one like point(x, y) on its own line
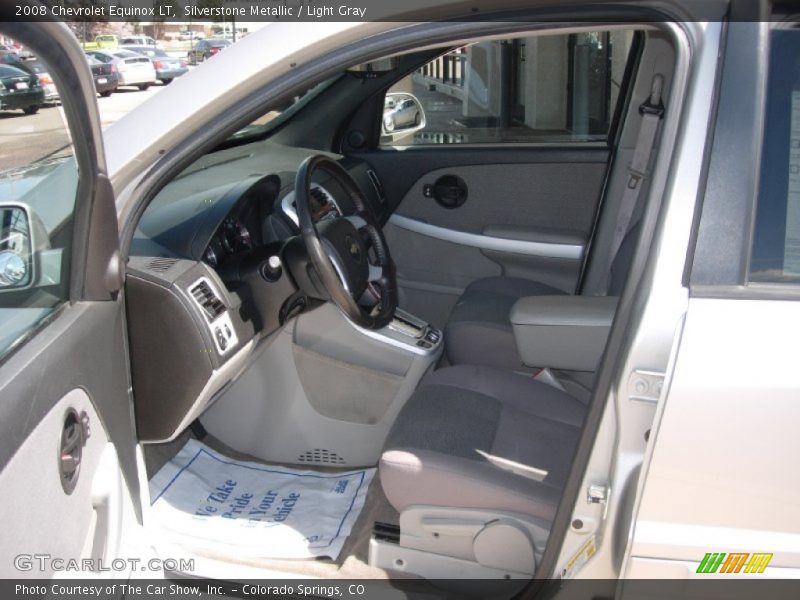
point(133, 69)
point(167, 68)
point(9, 57)
point(105, 75)
point(137, 40)
point(191, 35)
point(402, 115)
point(205, 49)
point(102, 42)
point(38, 68)
point(20, 90)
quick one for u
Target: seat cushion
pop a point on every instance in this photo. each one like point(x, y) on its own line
point(445, 444)
point(479, 331)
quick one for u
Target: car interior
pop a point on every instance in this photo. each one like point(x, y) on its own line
point(413, 266)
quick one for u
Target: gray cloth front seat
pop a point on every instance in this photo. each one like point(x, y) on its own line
point(478, 331)
point(440, 450)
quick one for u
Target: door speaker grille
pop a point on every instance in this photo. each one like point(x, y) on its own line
point(321, 456)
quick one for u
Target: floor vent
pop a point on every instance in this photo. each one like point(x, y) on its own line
point(321, 456)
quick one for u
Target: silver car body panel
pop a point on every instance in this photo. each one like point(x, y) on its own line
point(726, 435)
point(659, 308)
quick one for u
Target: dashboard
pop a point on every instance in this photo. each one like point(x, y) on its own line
point(184, 308)
point(246, 227)
point(202, 217)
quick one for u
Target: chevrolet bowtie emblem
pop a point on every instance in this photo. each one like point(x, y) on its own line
point(353, 248)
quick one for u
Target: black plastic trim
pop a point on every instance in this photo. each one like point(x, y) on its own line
point(724, 233)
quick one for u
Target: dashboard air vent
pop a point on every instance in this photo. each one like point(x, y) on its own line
point(208, 300)
point(373, 177)
point(161, 264)
point(320, 195)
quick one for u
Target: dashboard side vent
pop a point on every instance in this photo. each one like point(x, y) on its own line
point(376, 183)
point(161, 264)
point(207, 300)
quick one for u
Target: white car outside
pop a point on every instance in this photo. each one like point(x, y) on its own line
point(134, 69)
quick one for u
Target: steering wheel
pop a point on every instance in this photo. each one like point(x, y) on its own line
point(338, 248)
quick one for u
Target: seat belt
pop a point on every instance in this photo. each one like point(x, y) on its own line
point(652, 110)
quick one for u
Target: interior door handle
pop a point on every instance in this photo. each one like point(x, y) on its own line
point(449, 191)
point(74, 434)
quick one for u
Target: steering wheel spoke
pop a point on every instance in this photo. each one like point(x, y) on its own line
point(358, 221)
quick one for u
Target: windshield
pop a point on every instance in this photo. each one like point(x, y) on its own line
point(275, 117)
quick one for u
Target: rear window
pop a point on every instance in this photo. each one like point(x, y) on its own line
point(151, 52)
point(126, 54)
point(6, 71)
point(103, 58)
point(776, 239)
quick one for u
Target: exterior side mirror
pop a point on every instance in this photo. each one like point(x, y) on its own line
point(16, 247)
point(402, 116)
point(21, 236)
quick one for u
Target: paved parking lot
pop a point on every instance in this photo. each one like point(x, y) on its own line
point(28, 138)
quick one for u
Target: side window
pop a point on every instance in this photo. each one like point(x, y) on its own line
point(546, 88)
point(775, 256)
point(38, 183)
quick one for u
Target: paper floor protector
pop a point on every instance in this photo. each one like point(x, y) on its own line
point(205, 499)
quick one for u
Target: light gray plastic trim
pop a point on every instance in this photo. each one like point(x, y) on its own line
point(589, 311)
point(568, 332)
point(485, 242)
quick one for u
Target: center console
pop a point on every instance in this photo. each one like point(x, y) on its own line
point(408, 332)
point(324, 391)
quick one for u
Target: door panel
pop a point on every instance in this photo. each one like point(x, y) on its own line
point(529, 213)
point(69, 362)
point(87, 522)
point(505, 162)
point(432, 273)
point(555, 197)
